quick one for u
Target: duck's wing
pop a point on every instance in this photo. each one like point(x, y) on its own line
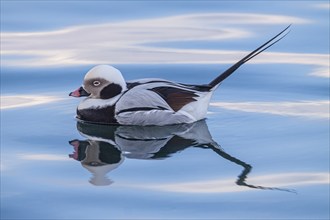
point(156, 103)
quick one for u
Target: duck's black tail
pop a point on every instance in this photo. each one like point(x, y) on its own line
point(248, 57)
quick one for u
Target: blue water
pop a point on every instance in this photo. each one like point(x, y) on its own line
point(59, 187)
point(234, 165)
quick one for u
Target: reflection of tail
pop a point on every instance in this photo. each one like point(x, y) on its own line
point(247, 169)
point(243, 176)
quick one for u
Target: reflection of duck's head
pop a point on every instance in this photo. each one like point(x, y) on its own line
point(97, 157)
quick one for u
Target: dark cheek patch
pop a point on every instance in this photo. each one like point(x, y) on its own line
point(110, 91)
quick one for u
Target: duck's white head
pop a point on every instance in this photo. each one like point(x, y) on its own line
point(102, 82)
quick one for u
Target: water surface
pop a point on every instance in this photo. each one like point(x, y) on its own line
point(262, 152)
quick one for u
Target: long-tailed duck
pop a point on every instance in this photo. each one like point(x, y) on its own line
point(112, 100)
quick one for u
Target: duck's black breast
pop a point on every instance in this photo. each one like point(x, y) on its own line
point(104, 115)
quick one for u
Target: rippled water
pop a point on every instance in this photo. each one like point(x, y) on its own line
point(234, 164)
point(262, 152)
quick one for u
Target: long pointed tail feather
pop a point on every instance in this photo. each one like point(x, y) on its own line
point(248, 57)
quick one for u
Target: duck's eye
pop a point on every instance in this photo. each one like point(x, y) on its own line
point(96, 83)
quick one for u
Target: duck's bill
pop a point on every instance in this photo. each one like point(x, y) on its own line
point(79, 92)
point(75, 144)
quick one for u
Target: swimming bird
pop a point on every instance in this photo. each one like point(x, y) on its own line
point(112, 100)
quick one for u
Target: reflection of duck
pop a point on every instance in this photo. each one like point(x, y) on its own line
point(107, 146)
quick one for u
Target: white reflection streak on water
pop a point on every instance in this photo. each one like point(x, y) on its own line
point(18, 101)
point(133, 36)
point(227, 185)
point(45, 157)
point(309, 109)
point(325, 6)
